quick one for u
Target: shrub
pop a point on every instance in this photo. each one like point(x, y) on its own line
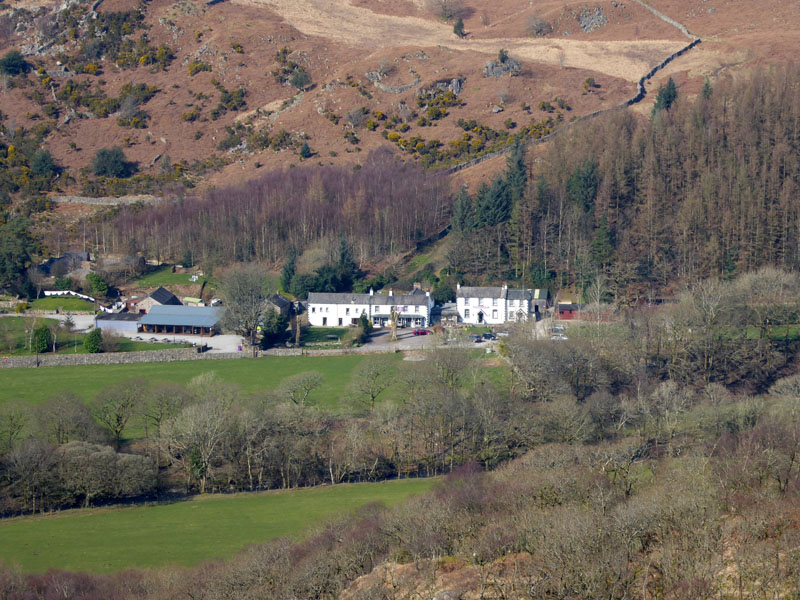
point(111, 162)
point(305, 151)
point(13, 63)
point(191, 115)
point(197, 66)
point(99, 285)
point(42, 339)
point(93, 342)
point(300, 79)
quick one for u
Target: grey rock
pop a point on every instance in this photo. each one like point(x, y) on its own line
point(589, 20)
point(497, 109)
point(495, 68)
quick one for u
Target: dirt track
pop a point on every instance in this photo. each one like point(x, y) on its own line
point(339, 20)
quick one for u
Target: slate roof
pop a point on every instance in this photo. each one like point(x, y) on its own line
point(122, 316)
point(481, 292)
point(164, 296)
point(338, 298)
point(412, 299)
point(186, 316)
point(520, 294)
point(375, 300)
point(280, 301)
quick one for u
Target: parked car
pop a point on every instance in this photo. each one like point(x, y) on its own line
point(489, 336)
point(558, 329)
point(502, 334)
point(420, 332)
point(476, 337)
point(559, 337)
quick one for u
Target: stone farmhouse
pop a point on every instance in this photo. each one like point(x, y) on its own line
point(497, 305)
point(344, 309)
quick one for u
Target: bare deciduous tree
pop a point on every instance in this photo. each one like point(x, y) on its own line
point(115, 405)
point(371, 378)
point(245, 289)
point(297, 388)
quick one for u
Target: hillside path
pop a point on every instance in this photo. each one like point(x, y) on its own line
point(339, 20)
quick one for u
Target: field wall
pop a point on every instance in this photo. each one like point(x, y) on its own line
point(114, 358)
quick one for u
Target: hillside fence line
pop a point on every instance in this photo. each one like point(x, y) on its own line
point(641, 92)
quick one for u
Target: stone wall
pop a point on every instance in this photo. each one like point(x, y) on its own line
point(114, 358)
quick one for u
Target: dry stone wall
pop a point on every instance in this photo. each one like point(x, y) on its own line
point(114, 358)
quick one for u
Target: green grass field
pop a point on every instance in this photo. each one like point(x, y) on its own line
point(251, 375)
point(183, 533)
point(315, 335)
point(14, 339)
point(69, 303)
point(164, 276)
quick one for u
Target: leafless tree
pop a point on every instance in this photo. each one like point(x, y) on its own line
point(297, 388)
point(65, 418)
point(115, 405)
point(245, 290)
point(371, 378)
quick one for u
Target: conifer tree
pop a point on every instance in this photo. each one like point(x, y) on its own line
point(666, 97)
point(602, 244)
point(289, 269)
point(462, 220)
point(516, 174)
point(493, 205)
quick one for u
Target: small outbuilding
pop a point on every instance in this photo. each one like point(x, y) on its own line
point(160, 297)
point(279, 303)
point(124, 322)
point(181, 320)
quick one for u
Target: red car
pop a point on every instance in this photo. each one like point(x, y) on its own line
point(420, 332)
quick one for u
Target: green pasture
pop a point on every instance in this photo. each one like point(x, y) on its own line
point(14, 339)
point(182, 533)
point(251, 375)
point(67, 303)
point(164, 276)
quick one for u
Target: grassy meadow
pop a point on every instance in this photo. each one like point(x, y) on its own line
point(251, 375)
point(14, 339)
point(182, 533)
point(69, 303)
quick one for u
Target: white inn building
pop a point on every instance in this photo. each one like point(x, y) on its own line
point(496, 305)
point(344, 309)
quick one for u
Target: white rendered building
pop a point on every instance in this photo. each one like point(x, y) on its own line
point(344, 309)
point(497, 305)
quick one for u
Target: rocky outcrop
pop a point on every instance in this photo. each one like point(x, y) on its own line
point(495, 68)
point(375, 77)
point(589, 20)
point(455, 85)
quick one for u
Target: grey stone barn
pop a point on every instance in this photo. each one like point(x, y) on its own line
point(124, 322)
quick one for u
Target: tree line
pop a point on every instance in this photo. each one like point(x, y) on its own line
point(701, 189)
point(381, 207)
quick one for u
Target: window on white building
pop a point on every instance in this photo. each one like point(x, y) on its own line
point(313, 309)
point(416, 309)
point(494, 314)
point(494, 301)
point(326, 308)
point(347, 311)
point(466, 313)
